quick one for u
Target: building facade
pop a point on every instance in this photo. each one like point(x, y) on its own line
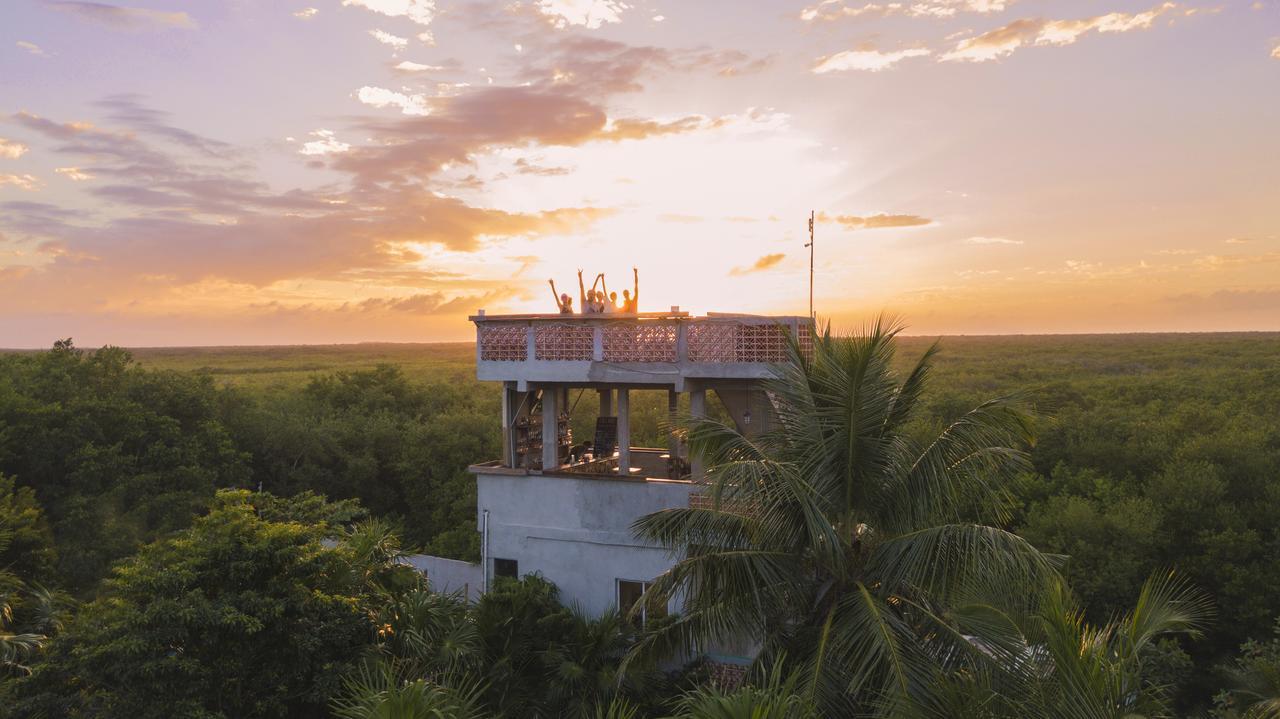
point(564, 508)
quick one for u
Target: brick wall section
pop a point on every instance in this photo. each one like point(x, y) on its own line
point(726, 677)
point(704, 500)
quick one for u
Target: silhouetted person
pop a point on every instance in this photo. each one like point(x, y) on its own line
point(588, 300)
point(609, 299)
point(592, 301)
point(631, 301)
point(563, 301)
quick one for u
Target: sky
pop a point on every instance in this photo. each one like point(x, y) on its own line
point(334, 171)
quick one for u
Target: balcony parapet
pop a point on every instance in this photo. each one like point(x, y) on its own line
point(645, 348)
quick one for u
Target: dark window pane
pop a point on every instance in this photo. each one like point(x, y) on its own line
point(628, 594)
point(506, 568)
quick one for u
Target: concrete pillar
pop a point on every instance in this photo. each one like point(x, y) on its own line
point(624, 432)
point(508, 429)
point(606, 402)
point(697, 408)
point(673, 440)
point(550, 429)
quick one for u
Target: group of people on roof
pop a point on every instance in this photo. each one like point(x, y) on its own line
point(600, 301)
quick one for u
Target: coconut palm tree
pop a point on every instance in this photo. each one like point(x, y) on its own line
point(1084, 670)
point(381, 691)
point(1051, 663)
point(43, 617)
point(843, 534)
point(779, 696)
point(15, 646)
point(1254, 681)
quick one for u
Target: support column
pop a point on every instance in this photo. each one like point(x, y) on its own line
point(697, 408)
point(606, 402)
point(550, 429)
point(673, 440)
point(624, 432)
point(508, 429)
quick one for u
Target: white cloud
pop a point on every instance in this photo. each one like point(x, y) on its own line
point(11, 150)
point(1275, 51)
point(74, 174)
point(30, 183)
point(407, 66)
point(828, 10)
point(869, 60)
point(382, 97)
point(327, 144)
point(419, 11)
point(387, 38)
point(306, 13)
point(586, 13)
point(32, 48)
point(992, 241)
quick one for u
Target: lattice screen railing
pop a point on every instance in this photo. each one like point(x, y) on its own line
point(717, 341)
point(503, 343)
point(640, 342)
point(563, 342)
point(740, 342)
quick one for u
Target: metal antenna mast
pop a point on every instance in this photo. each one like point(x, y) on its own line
point(809, 244)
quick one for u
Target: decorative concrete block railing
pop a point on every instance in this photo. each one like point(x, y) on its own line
point(643, 338)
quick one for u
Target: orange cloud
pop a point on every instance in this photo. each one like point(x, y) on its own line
point(1005, 40)
point(761, 264)
point(30, 183)
point(124, 18)
point(875, 222)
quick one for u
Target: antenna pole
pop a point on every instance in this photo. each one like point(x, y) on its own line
point(810, 246)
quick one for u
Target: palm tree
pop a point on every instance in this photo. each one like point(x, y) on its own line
point(15, 646)
point(1051, 663)
point(778, 697)
point(43, 611)
point(1254, 681)
point(582, 665)
point(430, 634)
point(381, 691)
point(1097, 671)
point(842, 535)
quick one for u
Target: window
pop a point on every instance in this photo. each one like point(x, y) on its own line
point(506, 568)
point(630, 592)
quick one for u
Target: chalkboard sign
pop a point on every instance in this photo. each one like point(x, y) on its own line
point(606, 437)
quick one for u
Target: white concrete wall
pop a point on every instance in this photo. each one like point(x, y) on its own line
point(449, 575)
point(577, 532)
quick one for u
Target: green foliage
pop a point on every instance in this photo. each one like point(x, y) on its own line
point(518, 652)
point(838, 538)
point(378, 691)
point(1253, 681)
point(400, 447)
point(117, 456)
point(780, 696)
point(236, 616)
point(28, 547)
point(1164, 452)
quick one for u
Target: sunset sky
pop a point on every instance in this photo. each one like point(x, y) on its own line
point(247, 172)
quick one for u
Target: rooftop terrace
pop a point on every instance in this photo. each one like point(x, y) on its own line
point(649, 348)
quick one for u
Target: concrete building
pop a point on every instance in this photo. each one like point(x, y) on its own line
point(564, 508)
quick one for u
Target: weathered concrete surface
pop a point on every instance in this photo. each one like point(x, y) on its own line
point(577, 532)
point(449, 575)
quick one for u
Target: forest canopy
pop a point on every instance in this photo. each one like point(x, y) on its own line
point(1157, 453)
